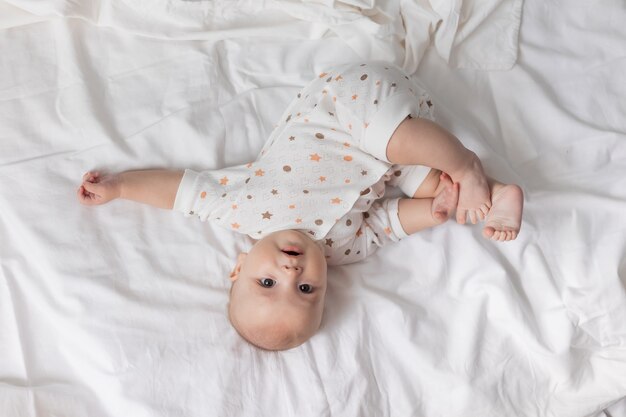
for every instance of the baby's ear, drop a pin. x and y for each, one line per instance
(235, 274)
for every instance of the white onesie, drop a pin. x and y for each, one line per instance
(323, 168)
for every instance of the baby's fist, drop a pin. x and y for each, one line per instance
(98, 189)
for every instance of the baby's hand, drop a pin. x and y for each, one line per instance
(98, 189)
(474, 194)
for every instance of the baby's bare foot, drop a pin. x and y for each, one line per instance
(445, 202)
(474, 193)
(505, 216)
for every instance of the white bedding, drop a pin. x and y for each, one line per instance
(119, 310)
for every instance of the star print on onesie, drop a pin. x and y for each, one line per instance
(324, 168)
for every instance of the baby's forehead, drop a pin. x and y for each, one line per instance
(277, 331)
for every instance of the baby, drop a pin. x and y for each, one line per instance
(313, 196)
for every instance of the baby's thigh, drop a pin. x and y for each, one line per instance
(371, 100)
(363, 88)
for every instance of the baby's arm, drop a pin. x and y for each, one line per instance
(155, 187)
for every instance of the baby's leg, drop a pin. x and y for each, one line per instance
(504, 218)
(432, 185)
(423, 142)
(421, 213)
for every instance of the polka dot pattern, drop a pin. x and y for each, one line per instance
(313, 173)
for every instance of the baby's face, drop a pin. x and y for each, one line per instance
(277, 297)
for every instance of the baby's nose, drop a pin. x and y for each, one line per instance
(293, 270)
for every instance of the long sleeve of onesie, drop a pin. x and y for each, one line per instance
(208, 194)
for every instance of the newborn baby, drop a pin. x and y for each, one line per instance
(314, 196)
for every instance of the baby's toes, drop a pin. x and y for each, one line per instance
(472, 215)
(483, 212)
(488, 232)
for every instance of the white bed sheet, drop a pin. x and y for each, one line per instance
(120, 310)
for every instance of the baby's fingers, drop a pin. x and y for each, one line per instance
(84, 196)
(91, 176)
(94, 193)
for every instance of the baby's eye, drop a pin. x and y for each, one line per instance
(267, 282)
(305, 288)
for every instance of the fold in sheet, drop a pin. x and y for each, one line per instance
(120, 310)
(478, 34)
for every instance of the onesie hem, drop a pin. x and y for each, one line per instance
(394, 218)
(381, 127)
(416, 176)
(186, 191)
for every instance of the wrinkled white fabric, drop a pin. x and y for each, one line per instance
(120, 310)
(479, 34)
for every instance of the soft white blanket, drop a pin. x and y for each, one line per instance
(479, 34)
(120, 310)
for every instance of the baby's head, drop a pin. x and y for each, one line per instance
(278, 291)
